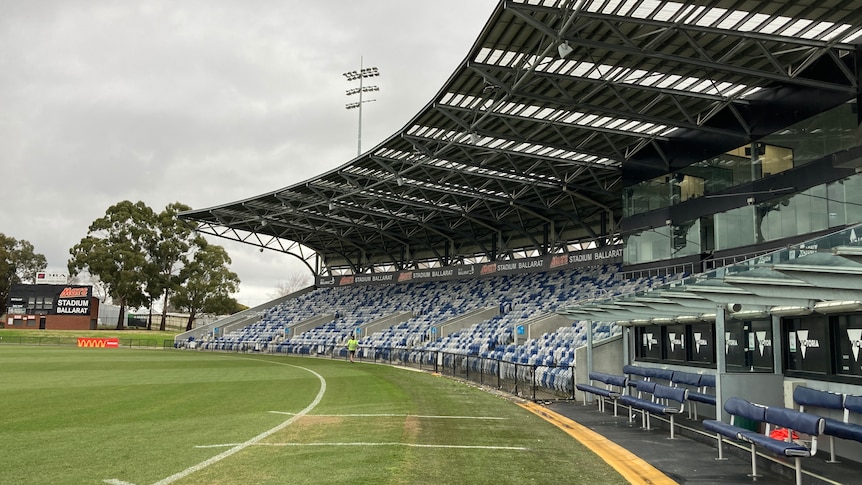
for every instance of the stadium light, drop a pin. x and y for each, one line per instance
(360, 75)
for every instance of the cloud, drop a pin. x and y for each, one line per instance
(201, 102)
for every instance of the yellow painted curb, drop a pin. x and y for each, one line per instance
(629, 465)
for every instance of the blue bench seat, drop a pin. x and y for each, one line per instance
(660, 402)
(697, 385)
(773, 416)
(808, 398)
(613, 389)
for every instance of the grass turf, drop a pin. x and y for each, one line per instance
(140, 416)
(151, 338)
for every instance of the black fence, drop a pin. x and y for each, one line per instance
(73, 342)
(536, 382)
(530, 381)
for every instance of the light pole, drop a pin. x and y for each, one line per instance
(360, 75)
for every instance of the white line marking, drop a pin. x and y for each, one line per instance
(114, 481)
(409, 445)
(256, 439)
(392, 416)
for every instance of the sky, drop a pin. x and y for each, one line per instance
(202, 102)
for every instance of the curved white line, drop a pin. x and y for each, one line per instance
(256, 439)
(408, 445)
(391, 415)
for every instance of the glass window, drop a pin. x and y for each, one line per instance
(797, 145)
(760, 346)
(649, 342)
(734, 228)
(734, 344)
(646, 196)
(686, 239)
(819, 135)
(845, 201)
(813, 210)
(703, 343)
(773, 159)
(808, 345)
(798, 214)
(675, 340)
(651, 245)
(850, 345)
(853, 199)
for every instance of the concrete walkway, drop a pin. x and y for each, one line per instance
(691, 457)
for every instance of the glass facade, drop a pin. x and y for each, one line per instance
(821, 135)
(818, 208)
(814, 209)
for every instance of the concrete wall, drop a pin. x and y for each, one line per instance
(386, 322)
(465, 321)
(538, 326)
(310, 323)
(607, 357)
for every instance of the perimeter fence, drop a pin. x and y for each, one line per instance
(136, 343)
(534, 381)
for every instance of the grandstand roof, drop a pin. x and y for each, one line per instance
(557, 106)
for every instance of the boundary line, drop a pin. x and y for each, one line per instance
(388, 415)
(626, 463)
(408, 445)
(241, 446)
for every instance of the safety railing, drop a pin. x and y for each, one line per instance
(532, 381)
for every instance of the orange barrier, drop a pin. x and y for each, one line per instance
(100, 343)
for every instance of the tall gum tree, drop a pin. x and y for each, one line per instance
(114, 250)
(208, 283)
(168, 252)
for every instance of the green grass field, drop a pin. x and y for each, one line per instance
(141, 338)
(124, 416)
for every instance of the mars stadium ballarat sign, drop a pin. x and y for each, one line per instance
(596, 257)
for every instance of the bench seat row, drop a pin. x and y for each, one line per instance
(795, 423)
(652, 398)
(811, 400)
(700, 386)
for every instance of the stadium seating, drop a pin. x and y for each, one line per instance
(429, 306)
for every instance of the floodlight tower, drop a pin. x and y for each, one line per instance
(360, 76)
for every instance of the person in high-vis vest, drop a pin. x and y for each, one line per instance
(352, 345)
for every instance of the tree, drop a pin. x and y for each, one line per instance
(19, 263)
(168, 252)
(208, 283)
(114, 251)
(85, 278)
(294, 282)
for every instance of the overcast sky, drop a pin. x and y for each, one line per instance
(202, 102)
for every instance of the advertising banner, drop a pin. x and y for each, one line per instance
(73, 300)
(99, 343)
(594, 257)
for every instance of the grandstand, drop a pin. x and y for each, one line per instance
(599, 184)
